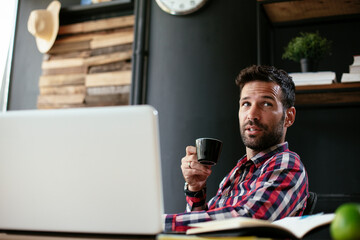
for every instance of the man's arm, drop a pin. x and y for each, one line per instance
(279, 192)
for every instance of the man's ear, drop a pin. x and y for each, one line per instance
(290, 116)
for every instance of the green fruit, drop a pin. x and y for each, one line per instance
(346, 223)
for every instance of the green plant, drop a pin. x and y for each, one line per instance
(307, 45)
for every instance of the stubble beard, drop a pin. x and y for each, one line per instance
(270, 137)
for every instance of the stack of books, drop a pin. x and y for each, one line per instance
(354, 71)
(88, 65)
(313, 78)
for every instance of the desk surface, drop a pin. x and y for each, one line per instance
(24, 236)
(322, 233)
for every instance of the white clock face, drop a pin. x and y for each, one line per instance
(180, 7)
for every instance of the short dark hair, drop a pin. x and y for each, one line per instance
(269, 74)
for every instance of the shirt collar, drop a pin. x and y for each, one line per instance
(259, 158)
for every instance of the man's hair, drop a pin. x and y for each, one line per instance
(269, 74)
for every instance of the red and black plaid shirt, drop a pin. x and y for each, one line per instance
(271, 185)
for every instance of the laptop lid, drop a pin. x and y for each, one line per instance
(89, 170)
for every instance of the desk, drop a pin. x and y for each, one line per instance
(61, 236)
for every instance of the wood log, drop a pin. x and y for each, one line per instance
(111, 67)
(107, 100)
(108, 79)
(91, 26)
(112, 40)
(108, 58)
(63, 90)
(61, 99)
(61, 80)
(108, 90)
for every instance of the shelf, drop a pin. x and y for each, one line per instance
(81, 13)
(290, 10)
(331, 94)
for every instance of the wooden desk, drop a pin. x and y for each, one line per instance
(61, 236)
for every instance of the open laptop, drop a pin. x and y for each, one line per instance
(89, 170)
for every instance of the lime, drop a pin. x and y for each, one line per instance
(346, 223)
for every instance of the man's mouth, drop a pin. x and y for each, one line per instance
(253, 129)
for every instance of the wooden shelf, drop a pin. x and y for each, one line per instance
(290, 10)
(331, 94)
(81, 13)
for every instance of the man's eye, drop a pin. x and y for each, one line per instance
(267, 104)
(245, 104)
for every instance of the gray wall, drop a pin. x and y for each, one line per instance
(193, 62)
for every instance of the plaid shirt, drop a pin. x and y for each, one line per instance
(272, 185)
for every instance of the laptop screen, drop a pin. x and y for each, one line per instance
(88, 170)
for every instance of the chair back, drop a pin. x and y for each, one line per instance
(310, 203)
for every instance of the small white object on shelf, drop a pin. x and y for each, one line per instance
(313, 78)
(355, 66)
(350, 77)
(356, 60)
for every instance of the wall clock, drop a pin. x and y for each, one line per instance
(180, 7)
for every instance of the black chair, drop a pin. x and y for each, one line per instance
(310, 203)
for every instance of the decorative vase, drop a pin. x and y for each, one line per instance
(308, 65)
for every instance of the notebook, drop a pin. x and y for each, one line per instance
(88, 170)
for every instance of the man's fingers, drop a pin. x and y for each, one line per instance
(190, 150)
(195, 166)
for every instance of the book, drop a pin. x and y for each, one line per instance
(289, 227)
(313, 78)
(350, 77)
(354, 69)
(355, 66)
(164, 236)
(356, 61)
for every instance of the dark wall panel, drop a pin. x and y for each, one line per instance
(327, 140)
(193, 62)
(26, 65)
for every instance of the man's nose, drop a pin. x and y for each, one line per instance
(253, 113)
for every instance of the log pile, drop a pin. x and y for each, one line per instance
(88, 65)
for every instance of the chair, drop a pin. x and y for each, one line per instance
(310, 203)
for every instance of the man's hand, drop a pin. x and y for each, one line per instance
(195, 173)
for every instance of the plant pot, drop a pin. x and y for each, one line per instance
(308, 65)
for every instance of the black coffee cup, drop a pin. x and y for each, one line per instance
(208, 150)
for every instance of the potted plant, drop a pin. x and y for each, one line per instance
(308, 49)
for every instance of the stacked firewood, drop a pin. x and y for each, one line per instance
(88, 65)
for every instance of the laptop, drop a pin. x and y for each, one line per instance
(87, 170)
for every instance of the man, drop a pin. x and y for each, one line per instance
(270, 181)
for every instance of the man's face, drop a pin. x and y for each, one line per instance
(261, 115)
